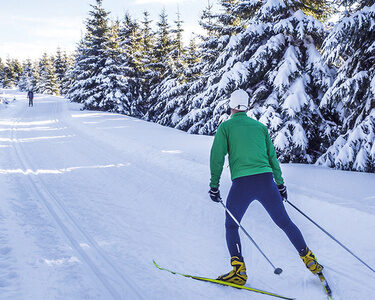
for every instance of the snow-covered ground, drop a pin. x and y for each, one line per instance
(89, 199)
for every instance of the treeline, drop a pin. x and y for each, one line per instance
(312, 83)
(48, 75)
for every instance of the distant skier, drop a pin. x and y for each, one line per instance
(254, 169)
(30, 95)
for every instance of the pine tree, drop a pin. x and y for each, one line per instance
(113, 85)
(9, 74)
(191, 58)
(2, 74)
(351, 98)
(161, 66)
(178, 50)
(67, 79)
(17, 69)
(146, 59)
(47, 83)
(219, 27)
(169, 105)
(61, 66)
(175, 91)
(275, 59)
(35, 77)
(25, 82)
(163, 47)
(130, 40)
(91, 58)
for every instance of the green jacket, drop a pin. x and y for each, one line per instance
(249, 147)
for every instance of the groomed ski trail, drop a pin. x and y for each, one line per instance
(95, 196)
(99, 263)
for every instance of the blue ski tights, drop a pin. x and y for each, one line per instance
(259, 187)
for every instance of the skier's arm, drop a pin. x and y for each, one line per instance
(272, 157)
(218, 151)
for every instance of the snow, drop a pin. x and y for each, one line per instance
(287, 68)
(361, 161)
(337, 41)
(90, 198)
(296, 99)
(236, 75)
(299, 137)
(281, 140)
(271, 6)
(372, 84)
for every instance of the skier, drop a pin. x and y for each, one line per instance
(30, 95)
(254, 170)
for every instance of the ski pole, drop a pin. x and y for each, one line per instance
(330, 235)
(276, 270)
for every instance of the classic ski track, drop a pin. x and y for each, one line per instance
(88, 237)
(105, 149)
(57, 211)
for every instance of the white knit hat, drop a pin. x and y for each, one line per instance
(239, 99)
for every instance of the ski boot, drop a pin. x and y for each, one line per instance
(238, 274)
(310, 261)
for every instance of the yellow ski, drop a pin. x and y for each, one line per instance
(224, 283)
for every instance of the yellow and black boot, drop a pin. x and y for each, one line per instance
(310, 261)
(238, 274)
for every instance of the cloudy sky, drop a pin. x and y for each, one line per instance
(30, 27)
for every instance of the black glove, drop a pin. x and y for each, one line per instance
(214, 194)
(282, 191)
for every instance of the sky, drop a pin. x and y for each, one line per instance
(30, 27)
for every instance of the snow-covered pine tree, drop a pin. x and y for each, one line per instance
(178, 45)
(35, 76)
(67, 79)
(161, 65)
(274, 58)
(90, 60)
(61, 66)
(219, 28)
(288, 100)
(17, 69)
(163, 48)
(25, 81)
(209, 48)
(145, 62)
(111, 83)
(2, 73)
(170, 92)
(191, 58)
(47, 83)
(129, 40)
(78, 74)
(351, 98)
(9, 74)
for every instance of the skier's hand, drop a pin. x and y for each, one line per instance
(214, 194)
(283, 192)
